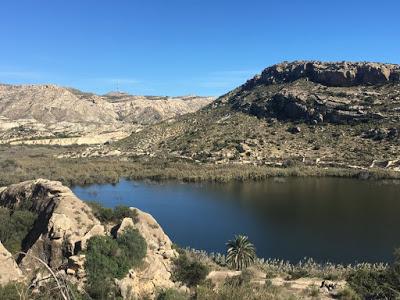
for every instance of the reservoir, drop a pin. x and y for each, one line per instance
(328, 219)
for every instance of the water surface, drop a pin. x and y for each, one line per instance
(329, 219)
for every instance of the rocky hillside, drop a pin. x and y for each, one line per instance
(52, 114)
(300, 113)
(317, 92)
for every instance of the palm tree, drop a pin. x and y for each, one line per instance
(241, 252)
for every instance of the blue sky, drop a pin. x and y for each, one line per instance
(175, 47)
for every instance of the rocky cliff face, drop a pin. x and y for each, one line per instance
(61, 231)
(318, 92)
(339, 74)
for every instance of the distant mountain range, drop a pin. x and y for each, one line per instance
(37, 113)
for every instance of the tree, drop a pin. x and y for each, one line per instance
(241, 252)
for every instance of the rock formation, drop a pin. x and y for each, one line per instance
(63, 226)
(156, 271)
(9, 270)
(318, 92)
(339, 74)
(62, 229)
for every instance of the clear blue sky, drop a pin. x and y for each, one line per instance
(171, 47)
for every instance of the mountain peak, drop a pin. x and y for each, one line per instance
(339, 74)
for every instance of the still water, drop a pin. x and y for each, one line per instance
(329, 219)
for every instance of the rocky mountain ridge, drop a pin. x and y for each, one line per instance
(318, 92)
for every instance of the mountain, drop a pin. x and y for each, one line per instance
(47, 113)
(340, 114)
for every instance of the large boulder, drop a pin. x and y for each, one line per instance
(63, 226)
(9, 270)
(156, 271)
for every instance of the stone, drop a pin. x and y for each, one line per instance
(64, 226)
(294, 129)
(9, 270)
(145, 282)
(125, 224)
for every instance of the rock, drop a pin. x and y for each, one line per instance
(317, 92)
(63, 226)
(341, 74)
(126, 223)
(156, 274)
(294, 129)
(96, 230)
(70, 272)
(9, 270)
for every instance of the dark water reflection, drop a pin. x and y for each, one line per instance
(339, 220)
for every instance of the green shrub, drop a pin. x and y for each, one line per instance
(377, 284)
(348, 294)
(107, 215)
(14, 227)
(104, 214)
(172, 294)
(188, 271)
(108, 258)
(121, 212)
(10, 291)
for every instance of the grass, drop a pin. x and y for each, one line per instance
(22, 163)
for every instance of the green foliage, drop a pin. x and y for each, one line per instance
(383, 284)
(10, 291)
(172, 294)
(188, 271)
(105, 214)
(14, 226)
(245, 291)
(121, 212)
(348, 294)
(241, 252)
(108, 258)
(49, 291)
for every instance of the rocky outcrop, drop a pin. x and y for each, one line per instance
(61, 231)
(156, 271)
(317, 92)
(9, 270)
(63, 226)
(339, 74)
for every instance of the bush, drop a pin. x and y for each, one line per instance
(172, 294)
(14, 227)
(188, 271)
(105, 214)
(108, 258)
(348, 294)
(377, 284)
(10, 292)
